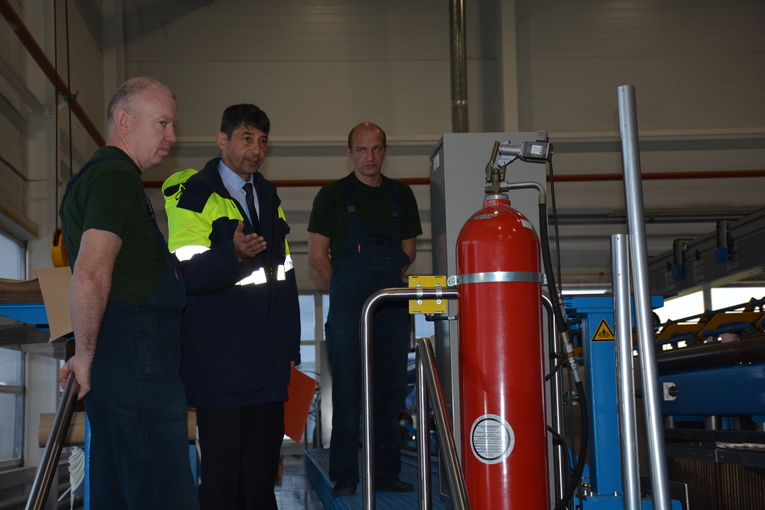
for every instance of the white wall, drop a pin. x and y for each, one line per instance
(696, 65)
(318, 68)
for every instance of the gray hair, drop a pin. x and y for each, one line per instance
(127, 93)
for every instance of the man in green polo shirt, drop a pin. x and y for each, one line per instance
(362, 237)
(127, 296)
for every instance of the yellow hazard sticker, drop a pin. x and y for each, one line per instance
(604, 333)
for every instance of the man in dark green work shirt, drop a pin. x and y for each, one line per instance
(127, 296)
(362, 237)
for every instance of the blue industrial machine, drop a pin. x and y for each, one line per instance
(715, 366)
(592, 329)
(712, 374)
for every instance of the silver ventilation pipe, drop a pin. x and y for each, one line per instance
(458, 55)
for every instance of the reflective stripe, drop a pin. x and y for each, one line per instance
(281, 271)
(256, 278)
(259, 276)
(186, 252)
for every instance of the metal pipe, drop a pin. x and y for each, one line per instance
(556, 402)
(625, 385)
(423, 431)
(49, 462)
(635, 220)
(662, 176)
(458, 54)
(651, 176)
(367, 403)
(444, 427)
(732, 353)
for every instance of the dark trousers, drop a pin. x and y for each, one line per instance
(139, 457)
(390, 346)
(240, 448)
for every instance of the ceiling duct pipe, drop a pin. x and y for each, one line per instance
(458, 66)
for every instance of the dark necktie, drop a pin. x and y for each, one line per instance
(251, 207)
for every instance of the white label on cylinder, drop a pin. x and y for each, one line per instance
(526, 223)
(491, 439)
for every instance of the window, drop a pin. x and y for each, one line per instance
(693, 304)
(423, 328)
(11, 368)
(682, 307)
(309, 349)
(721, 300)
(731, 296)
(307, 334)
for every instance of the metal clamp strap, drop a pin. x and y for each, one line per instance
(497, 276)
(420, 293)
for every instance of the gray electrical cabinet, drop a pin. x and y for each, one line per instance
(457, 183)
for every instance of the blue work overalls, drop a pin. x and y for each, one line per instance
(370, 259)
(139, 456)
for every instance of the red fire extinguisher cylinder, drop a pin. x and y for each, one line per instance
(504, 444)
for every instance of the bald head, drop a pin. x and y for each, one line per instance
(366, 127)
(131, 92)
(366, 151)
(143, 115)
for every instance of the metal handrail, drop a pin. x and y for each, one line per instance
(49, 462)
(555, 395)
(428, 380)
(368, 498)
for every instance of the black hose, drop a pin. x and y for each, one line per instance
(559, 360)
(562, 442)
(585, 433)
(547, 262)
(563, 329)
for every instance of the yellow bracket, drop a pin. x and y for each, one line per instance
(427, 306)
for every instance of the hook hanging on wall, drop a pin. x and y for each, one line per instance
(65, 100)
(59, 255)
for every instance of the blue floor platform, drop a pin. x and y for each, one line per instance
(317, 469)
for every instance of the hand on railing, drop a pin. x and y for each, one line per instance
(81, 370)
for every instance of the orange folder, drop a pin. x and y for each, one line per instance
(300, 393)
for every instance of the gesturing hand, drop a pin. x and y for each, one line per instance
(249, 245)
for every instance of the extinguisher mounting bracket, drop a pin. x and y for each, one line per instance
(497, 277)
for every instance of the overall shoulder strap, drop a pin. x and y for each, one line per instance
(350, 202)
(395, 199)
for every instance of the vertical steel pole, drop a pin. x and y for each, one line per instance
(625, 385)
(555, 396)
(367, 404)
(423, 433)
(49, 462)
(636, 223)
